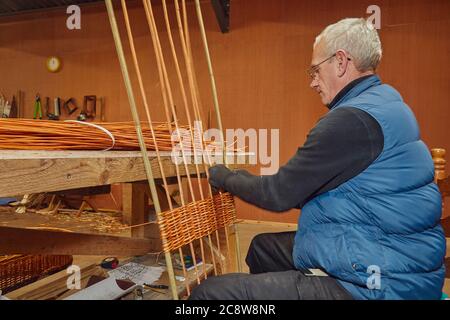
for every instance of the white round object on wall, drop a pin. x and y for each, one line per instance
(53, 64)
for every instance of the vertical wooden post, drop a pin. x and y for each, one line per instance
(135, 207)
(439, 163)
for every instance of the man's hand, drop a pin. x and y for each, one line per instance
(217, 176)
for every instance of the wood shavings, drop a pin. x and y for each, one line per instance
(102, 222)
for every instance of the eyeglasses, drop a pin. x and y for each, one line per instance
(312, 72)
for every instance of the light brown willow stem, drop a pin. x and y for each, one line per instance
(166, 85)
(134, 112)
(219, 118)
(196, 90)
(147, 111)
(192, 62)
(190, 72)
(188, 115)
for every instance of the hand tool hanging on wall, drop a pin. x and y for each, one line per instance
(89, 108)
(57, 107)
(49, 115)
(6, 110)
(47, 107)
(37, 107)
(67, 104)
(102, 109)
(14, 110)
(2, 104)
(5, 107)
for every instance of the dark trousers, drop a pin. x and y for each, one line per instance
(272, 276)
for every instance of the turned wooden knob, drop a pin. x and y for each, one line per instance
(438, 155)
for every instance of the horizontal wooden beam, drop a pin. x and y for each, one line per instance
(32, 241)
(26, 172)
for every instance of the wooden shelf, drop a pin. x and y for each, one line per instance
(27, 172)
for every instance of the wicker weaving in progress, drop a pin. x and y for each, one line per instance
(196, 220)
(19, 270)
(199, 217)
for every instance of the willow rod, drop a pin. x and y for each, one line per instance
(147, 7)
(165, 78)
(26, 134)
(134, 112)
(190, 72)
(189, 50)
(165, 85)
(183, 90)
(217, 109)
(185, 102)
(186, 45)
(170, 95)
(211, 75)
(147, 111)
(184, 33)
(194, 93)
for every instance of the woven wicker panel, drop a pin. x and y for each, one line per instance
(196, 220)
(19, 270)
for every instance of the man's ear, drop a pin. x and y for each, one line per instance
(342, 59)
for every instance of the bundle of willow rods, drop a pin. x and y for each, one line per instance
(26, 134)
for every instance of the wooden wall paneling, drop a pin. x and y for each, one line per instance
(260, 65)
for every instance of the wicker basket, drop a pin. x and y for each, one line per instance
(19, 270)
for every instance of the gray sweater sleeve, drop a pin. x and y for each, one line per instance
(342, 145)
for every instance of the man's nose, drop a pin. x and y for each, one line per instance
(313, 83)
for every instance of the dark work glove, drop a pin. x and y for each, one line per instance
(218, 175)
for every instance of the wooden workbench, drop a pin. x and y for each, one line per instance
(54, 287)
(28, 172)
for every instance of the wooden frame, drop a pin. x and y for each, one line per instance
(25, 172)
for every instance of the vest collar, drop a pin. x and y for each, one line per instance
(354, 89)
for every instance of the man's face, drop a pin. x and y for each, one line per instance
(325, 77)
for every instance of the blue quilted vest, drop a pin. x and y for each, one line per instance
(379, 233)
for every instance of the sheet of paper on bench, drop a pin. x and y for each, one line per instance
(104, 290)
(3, 297)
(137, 273)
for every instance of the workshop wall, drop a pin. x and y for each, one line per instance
(260, 66)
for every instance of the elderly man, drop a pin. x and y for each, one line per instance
(364, 181)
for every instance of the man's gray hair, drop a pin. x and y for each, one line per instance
(357, 37)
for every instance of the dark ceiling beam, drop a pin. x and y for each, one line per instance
(222, 9)
(16, 7)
